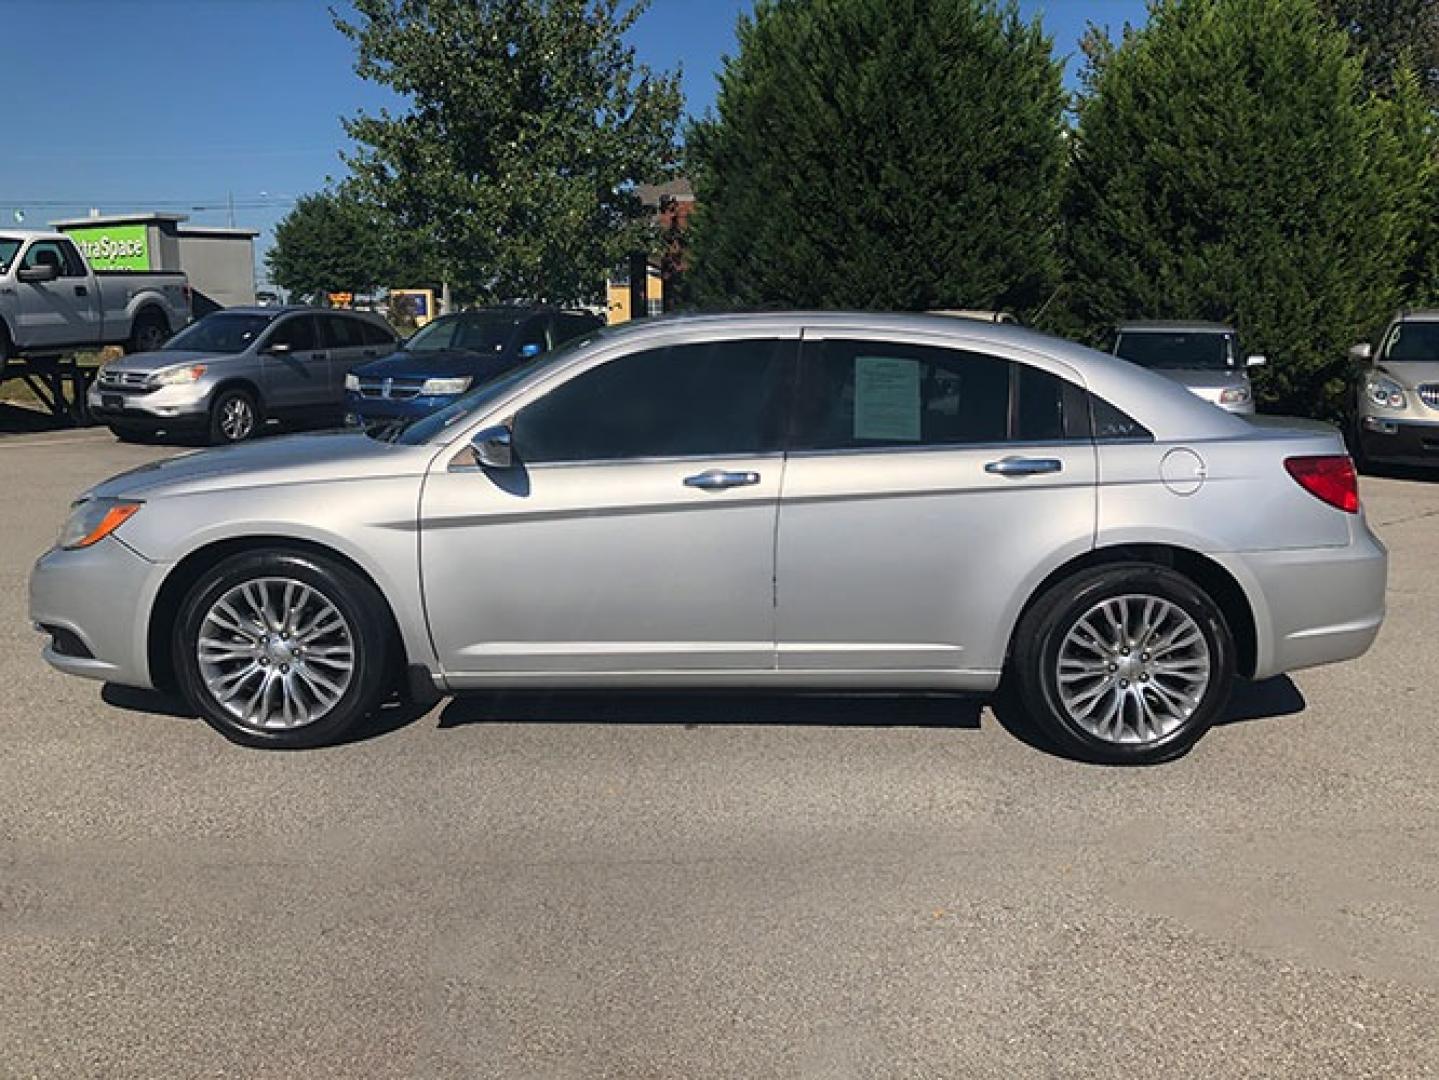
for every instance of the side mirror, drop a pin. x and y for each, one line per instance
(1256, 361)
(279, 349)
(493, 447)
(531, 350)
(38, 275)
(1362, 353)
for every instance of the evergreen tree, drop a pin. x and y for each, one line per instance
(329, 242)
(888, 154)
(1231, 165)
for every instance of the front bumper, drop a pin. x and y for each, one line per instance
(368, 411)
(1402, 442)
(99, 598)
(1313, 606)
(175, 405)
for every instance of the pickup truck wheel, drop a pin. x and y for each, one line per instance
(148, 333)
(283, 649)
(234, 417)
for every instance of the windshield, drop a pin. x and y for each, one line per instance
(8, 248)
(1413, 342)
(481, 332)
(416, 432)
(223, 332)
(1200, 350)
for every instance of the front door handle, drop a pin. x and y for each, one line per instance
(1024, 466)
(720, 479)
(80, 290)
(319, 356)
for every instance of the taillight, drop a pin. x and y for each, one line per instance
(1328, 477)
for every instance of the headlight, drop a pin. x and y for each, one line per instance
(1234, 395)
(177, 376)
(1386, 393)
(442, 387)
(352, 383)
(94, 519)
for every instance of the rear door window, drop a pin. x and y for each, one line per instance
(342, 332)
(855, 395)
(298, 332)
(374, 333)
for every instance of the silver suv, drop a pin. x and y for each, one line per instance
(1203, 357)
(1396, 411)
(229, 372)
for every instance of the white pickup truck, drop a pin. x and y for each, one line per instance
(52, 302)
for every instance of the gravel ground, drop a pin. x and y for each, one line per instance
(694, 886)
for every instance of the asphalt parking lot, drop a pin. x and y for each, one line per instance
(699, 887)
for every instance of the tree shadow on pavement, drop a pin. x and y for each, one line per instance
(727, 708)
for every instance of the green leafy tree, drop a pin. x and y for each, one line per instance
(1230, 165)
(329, 242)
(889, 154)
(1392, 36)
(528, 123)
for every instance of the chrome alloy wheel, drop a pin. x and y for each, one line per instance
(237, 418)
(1133, 669)
(275, 653)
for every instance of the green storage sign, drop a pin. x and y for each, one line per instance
(114, 247)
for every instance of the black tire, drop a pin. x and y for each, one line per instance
(225, 427)
(1042, 633)
(149, 332)
(370, 635)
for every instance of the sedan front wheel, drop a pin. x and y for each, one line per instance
(283, 649)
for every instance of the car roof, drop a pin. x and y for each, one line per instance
(24, 235)
(1418, 315)
(292, 309)
(1174, 326)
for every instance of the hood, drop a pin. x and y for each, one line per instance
(1412, 373)
(446, 362)
(146, 362)
(1204, 378)
(294, 459)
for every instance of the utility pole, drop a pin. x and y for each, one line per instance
(232, 208)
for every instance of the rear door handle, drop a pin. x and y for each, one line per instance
(1024, 466)
(319, 356)
(720, 479)
(80, 290)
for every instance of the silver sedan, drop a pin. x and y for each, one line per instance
(800, 502)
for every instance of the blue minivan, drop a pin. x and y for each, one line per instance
(453, 353)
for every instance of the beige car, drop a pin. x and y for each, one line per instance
(1395, 418)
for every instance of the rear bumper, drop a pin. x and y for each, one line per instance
(1399, 441)
(100, 598)
(1313, 606)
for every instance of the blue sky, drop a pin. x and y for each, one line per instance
(177, 105)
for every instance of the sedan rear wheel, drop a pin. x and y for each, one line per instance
(283, 649)
(1124, 664)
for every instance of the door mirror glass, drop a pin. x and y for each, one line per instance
(38, 275)
(1256, 361)
(493, 447)
(1362, 353)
